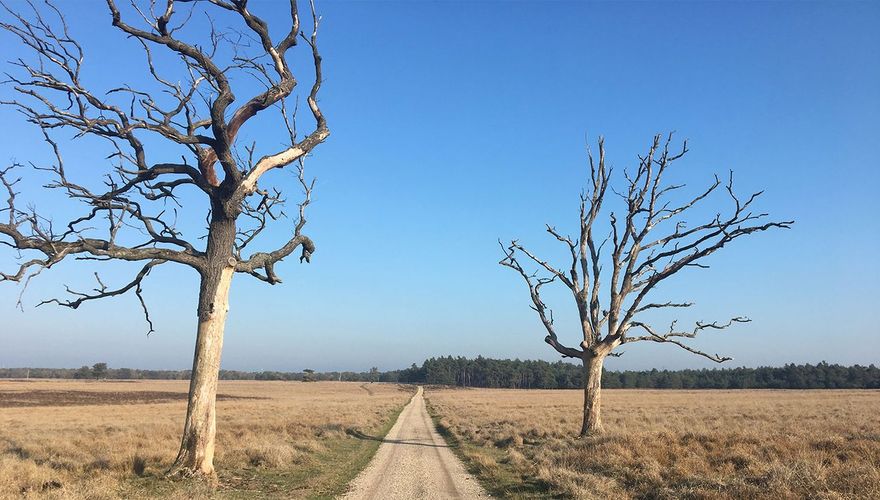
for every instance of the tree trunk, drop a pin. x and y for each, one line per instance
(196, 455)
(592, 395)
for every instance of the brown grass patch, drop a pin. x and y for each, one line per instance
(9, 399)
(77, 439)
(671, 444)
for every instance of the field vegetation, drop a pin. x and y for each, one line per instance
(668, 443)
(88, 439)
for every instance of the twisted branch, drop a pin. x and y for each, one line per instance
(639, 260)
(139, 201)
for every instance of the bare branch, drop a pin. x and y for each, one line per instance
(267, 260)
(668, 337)
(53, 97)
(663, 305)
(318, 135)
(102, 292)
(556, 273)
(639, 258)
(535, 283)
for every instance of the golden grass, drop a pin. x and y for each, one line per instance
(277, 445)
(669, 444)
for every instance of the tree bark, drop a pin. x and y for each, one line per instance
(196, 455)
(592, 395)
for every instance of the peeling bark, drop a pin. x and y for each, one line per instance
(196, 455)
(592, 424)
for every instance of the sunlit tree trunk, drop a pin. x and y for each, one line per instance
(196, 455)
(592, 395)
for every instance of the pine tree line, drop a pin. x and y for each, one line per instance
(517, 374)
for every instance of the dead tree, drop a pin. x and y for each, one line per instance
(649, 243)
(132, 213)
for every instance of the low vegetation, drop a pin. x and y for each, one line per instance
(88, 439)
(668, 444)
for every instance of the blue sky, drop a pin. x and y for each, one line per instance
(455, 124)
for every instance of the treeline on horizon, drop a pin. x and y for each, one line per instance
(516, 374)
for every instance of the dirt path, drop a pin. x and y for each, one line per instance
(414, 462)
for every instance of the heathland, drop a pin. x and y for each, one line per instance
(114, 439)
(111, 439)
(668, 444)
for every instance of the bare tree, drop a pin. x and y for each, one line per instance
(641, 255)
(132, 214)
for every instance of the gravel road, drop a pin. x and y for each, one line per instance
(414, 462)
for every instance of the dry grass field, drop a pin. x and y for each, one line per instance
(112, 439)
(669, 444)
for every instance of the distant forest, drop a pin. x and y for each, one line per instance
(516, 374)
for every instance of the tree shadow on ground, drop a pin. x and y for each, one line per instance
(360, 435)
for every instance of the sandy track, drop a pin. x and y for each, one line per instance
(414, 462)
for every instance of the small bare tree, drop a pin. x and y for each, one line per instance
(132, 213)
(640, 257)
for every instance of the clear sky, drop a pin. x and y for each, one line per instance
(455, 124)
